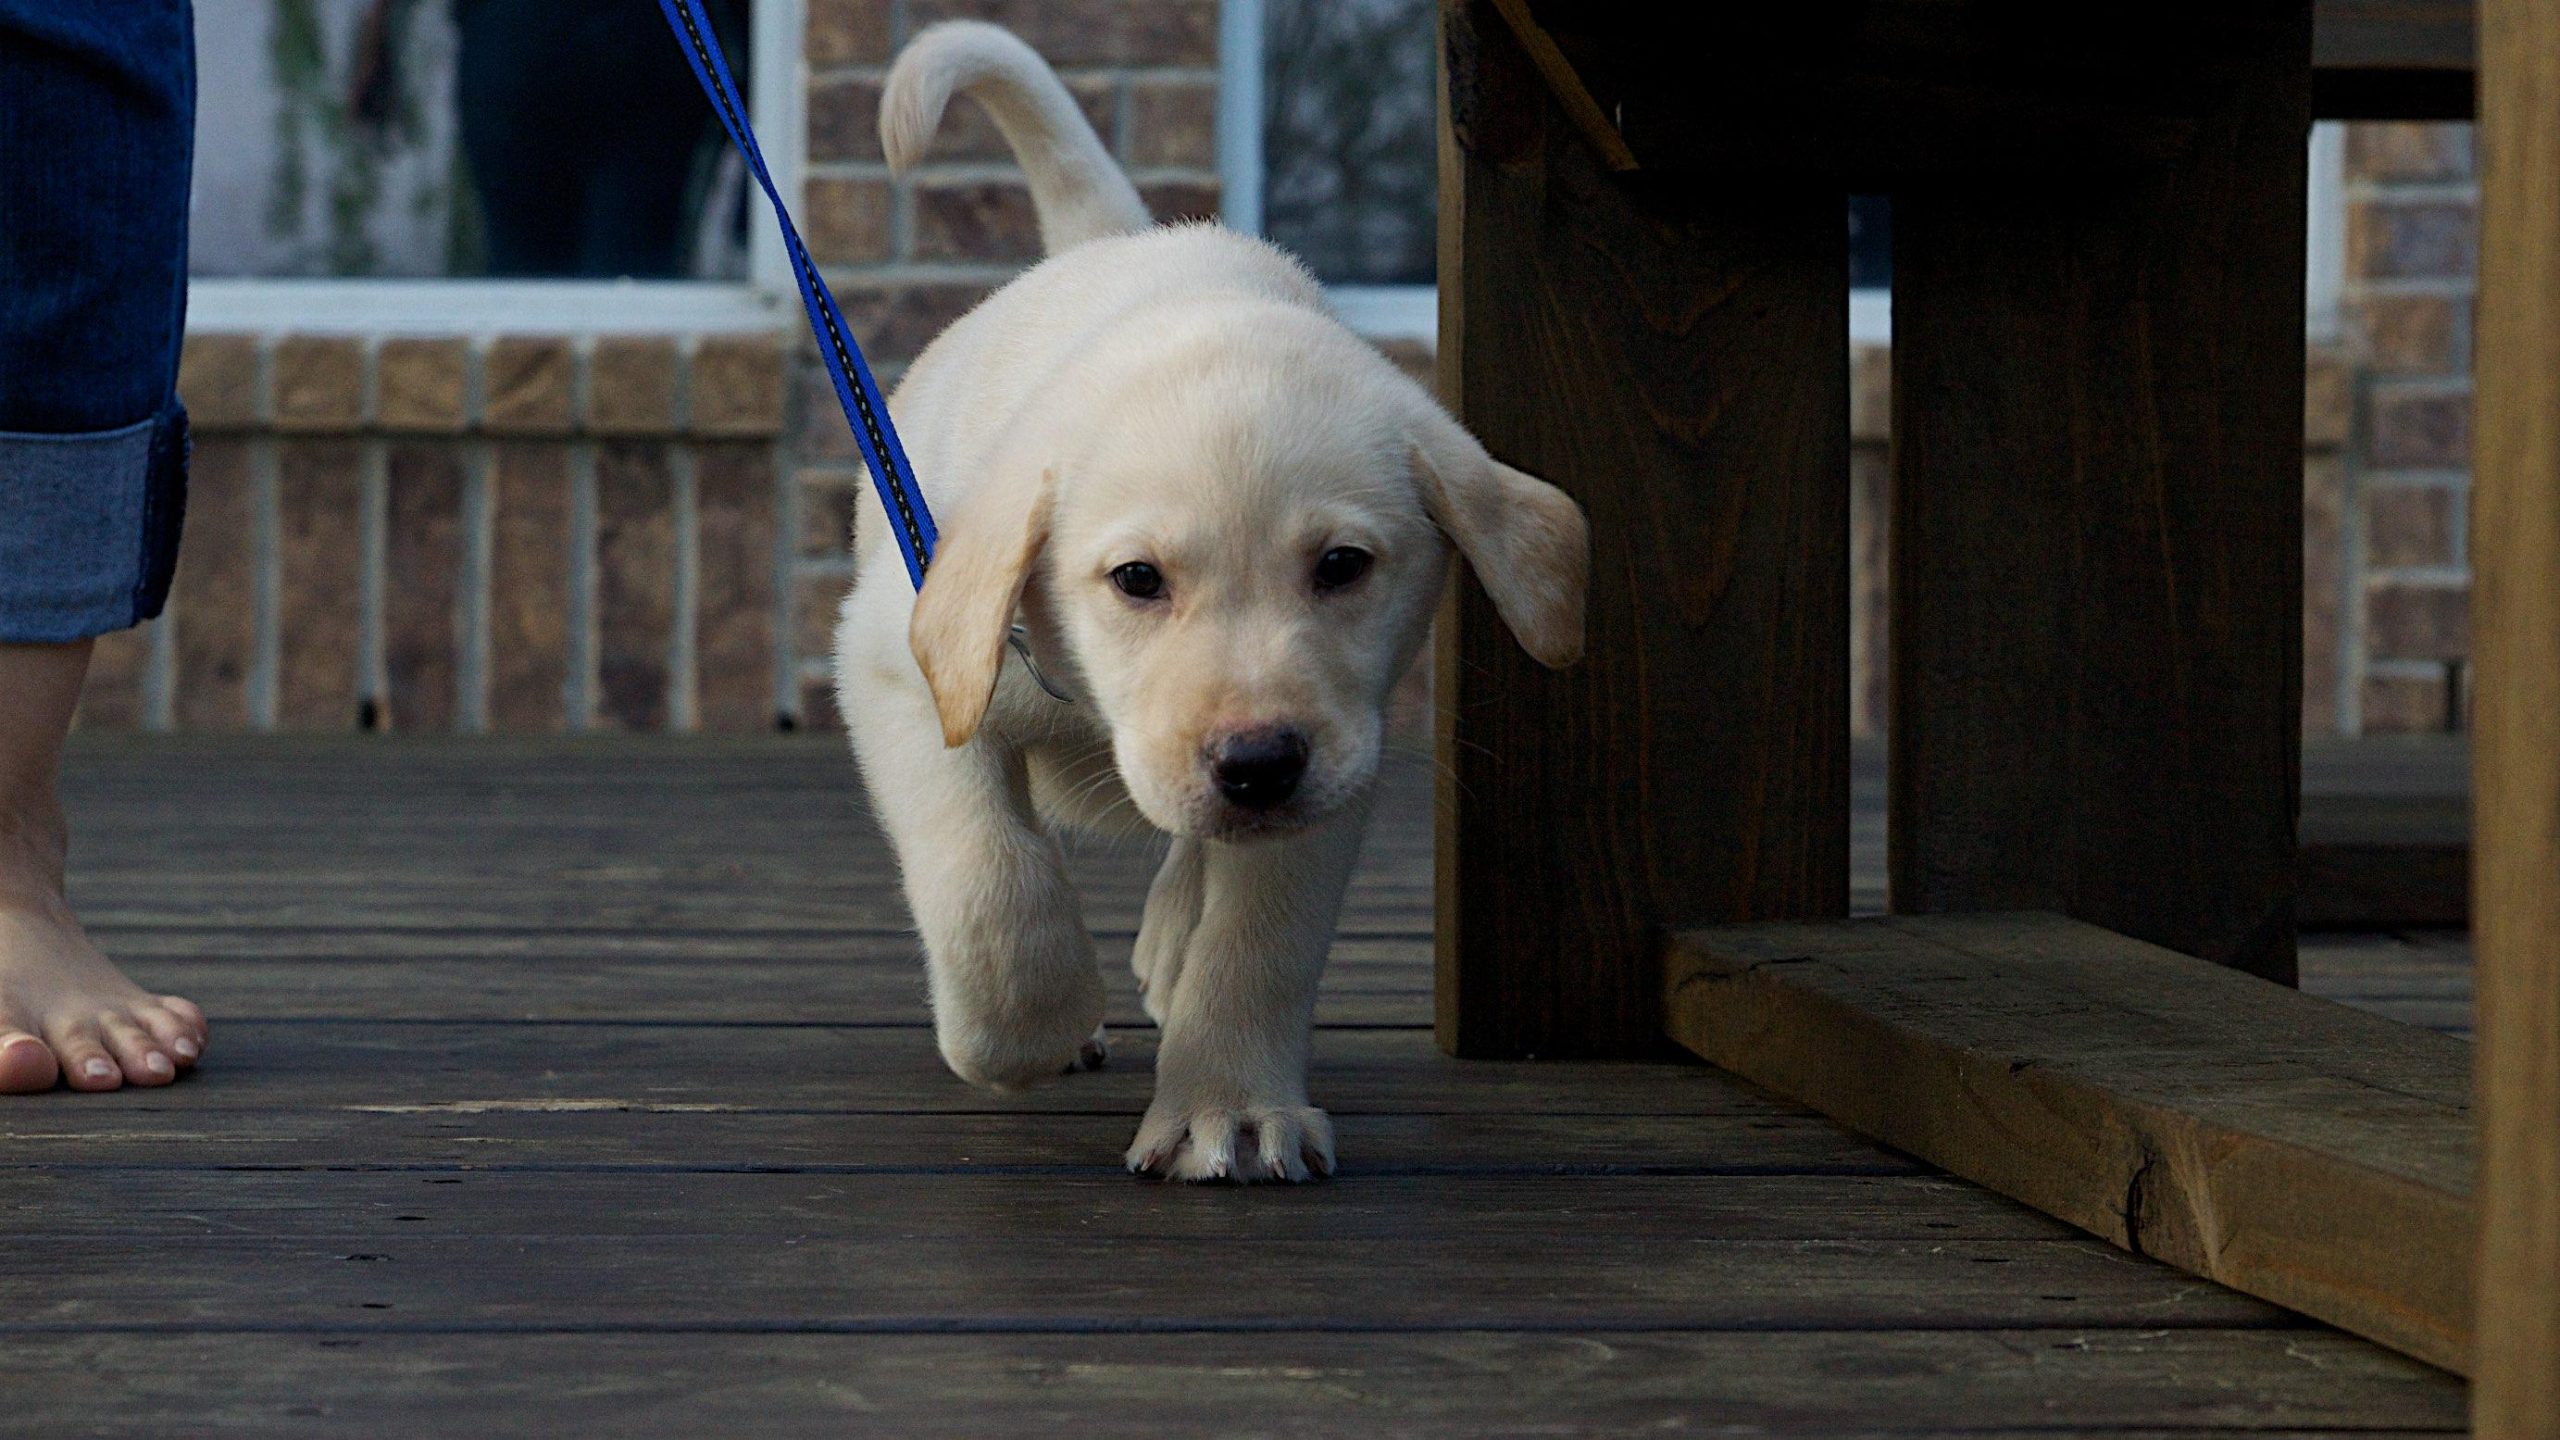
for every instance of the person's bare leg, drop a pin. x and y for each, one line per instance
(66, 1012)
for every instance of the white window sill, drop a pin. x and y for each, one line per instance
(1387, 312)
(482, 307)
(1871, 316)
(1412, 312)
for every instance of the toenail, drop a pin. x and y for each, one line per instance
(185, 1047)
(158, 1064)
(101, 1068)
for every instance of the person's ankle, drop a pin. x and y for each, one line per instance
(35, 838)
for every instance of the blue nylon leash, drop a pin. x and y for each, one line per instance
(864, 411)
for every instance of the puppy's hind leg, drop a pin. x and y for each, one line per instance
(1017, 990)
(1164, 932)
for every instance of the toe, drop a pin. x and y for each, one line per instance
(26, 1064)
(1159, 1136)
(1275, 1141)
(86, 1065)
(173, 1034)
(1211, 1155)
(1318, 1140)
(141, 1057)
(188, 1015)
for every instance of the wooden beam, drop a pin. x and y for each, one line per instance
(1567, 86)
(1677, 360)
(2385, 885)
(2394, 863)
(2097, 530)
(2392, 59)
(2393, 35)
(2516, 740)
(2386, 833)
(2306, 1153)
(1888, 91)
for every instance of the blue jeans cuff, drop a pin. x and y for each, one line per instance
(89, 528)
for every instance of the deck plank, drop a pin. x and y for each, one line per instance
(1564, 1279)
(635, 1030)
(874, 980)
(466, 1067)
(1462, 1384)
(179, 1210)
(2173, 1107)
(629, 1139)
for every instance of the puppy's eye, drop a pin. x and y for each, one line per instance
(1342, 565)
(1138, 580)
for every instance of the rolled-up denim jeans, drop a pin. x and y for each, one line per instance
(97, 120)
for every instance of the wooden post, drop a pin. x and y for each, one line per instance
(1675, 355)
(2515, 601)
(2097, 523)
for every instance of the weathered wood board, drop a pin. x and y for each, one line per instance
(2516, 705)
(1458, 1385)
(576, 1177)
(2284, 1145)
(1687, 351)
(2097, 518)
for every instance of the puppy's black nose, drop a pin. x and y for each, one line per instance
(1258, 769)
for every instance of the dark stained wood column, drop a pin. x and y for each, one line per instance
(2097, 581)
(1674, 353)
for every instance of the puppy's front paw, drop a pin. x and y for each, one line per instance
(1022, 1046)
(1257, 1142)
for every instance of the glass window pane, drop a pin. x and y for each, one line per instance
(521, 138)
(1870, 242)
(1350, 150)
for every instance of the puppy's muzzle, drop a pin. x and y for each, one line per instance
(1259, 770)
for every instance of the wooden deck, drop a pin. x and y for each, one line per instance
(577, 1088)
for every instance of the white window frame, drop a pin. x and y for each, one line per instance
(2325, 269)
(1380, 312)
(765, 300)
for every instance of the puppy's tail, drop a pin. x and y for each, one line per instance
(1079, 192)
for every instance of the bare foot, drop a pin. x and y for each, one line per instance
(66, 1012)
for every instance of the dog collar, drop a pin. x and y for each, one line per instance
(1019, 637)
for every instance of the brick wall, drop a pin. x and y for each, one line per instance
(2399, 615)
(535, 532)
(910, 255)
(523, 533)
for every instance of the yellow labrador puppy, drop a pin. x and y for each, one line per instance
(1173, 491)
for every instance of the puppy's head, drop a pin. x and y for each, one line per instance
(1241, 540)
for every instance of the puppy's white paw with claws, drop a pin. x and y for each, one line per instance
(1254, 1143)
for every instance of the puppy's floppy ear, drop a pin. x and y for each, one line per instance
(1525, 539)
(965, 609)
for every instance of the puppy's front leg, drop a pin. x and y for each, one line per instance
(1233, 1062)
(1017, 992)
(1164, 929)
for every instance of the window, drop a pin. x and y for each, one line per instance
(462, 165)
(1870, 268)
(1328, 138)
